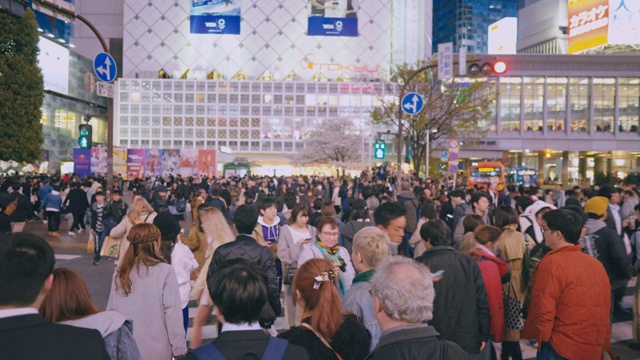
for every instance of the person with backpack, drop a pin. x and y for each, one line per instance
(18, 208)
(239, 291)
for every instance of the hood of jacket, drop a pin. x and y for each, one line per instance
(261, 221)
(534, 208)
(594, 225)
(106, 322)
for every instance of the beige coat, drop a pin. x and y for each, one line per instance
(512, 244)
(121, 231)
(197, 242)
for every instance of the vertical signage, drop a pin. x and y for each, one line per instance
(588, 24)
(215, 16)
(207, 163)
(333, 18)
(445, 61)
(82, 162)
(135, 163)
(188, 162)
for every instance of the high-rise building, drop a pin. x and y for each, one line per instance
(465, 22)
(542, 27)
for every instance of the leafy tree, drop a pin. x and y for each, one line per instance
(21, 89)
(452, 109)
(334, 142)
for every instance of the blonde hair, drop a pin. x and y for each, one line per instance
(215, 226)
(373, 244)
(139, 206)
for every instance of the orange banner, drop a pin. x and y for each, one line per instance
(207, 163)
(588, 24)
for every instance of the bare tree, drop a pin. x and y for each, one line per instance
(334, 142)
(453, 109)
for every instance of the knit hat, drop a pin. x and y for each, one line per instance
(168, 225)
(597, 205)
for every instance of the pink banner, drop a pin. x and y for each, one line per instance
(207, 162)
(188, 162)
(135, 163)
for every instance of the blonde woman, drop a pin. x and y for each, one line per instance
(197, 240)
(216, 232)
(141, 212)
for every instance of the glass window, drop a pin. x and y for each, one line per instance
(604, 91)
(533, 103)
(579, 104)
(556, 103)
(510, 90)
(629, 90)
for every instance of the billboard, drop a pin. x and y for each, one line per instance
(188, 162)
(588, 24)
(333, 18)
(503, 36)
(624, 24)
(215, 16)
(82, 162)
(53, 59)
(99, 161)
(120, 162)
(135, 163)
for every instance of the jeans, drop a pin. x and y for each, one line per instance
(53, 220)
(97, 245)
(548, 353)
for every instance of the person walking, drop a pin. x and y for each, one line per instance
(51, 205)
(76, 203)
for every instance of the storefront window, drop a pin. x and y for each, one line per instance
(510, 90)
(67, 123)
(533, 103)
(604, 91)
(579, 104)
(629, 90)
(556, 103)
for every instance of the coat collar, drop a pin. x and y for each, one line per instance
(21, 321)
(403, 333)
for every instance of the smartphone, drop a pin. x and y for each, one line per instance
(437, 274)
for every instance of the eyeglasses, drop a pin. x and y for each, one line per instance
(331, 233)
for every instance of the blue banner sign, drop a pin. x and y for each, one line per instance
(333, 18)
(216, 16)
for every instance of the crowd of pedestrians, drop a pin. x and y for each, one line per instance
(367, 268)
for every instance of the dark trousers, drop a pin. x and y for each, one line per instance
(78, 221)
(97, 245)
(511, 349)
(548, 353)
(185, 318)
(53, 220)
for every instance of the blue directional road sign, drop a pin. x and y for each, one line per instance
(412, 103)
(105, 67)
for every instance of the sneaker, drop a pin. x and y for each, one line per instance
(44, 221)
(55, 233)
(50, 233)
(72, 233)
(79, 231)
(96, 262)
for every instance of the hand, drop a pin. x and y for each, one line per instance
(482, 346)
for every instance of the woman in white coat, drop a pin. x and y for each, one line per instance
(325, 246)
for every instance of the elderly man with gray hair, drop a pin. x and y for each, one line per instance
(403, 296)
(370, 247)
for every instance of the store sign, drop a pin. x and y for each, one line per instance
(333, 18)
(588, 24)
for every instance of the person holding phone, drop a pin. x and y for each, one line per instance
(293, 236)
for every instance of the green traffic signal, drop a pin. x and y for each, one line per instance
(379, 149)
(84, 140)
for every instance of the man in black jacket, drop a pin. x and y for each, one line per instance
(22, 212)
(76, 203)
(461, 309)
(245, 219)
(26, 263)
(406, 333)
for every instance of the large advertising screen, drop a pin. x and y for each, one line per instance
(333, 18)
(215, 16)
(600, 22)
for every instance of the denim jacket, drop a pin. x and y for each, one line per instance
(52, 201)
(121, 345)
(358, 301)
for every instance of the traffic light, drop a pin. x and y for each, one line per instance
(487, 68)
(84, 140)
(379, 149)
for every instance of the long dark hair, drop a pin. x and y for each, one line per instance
(144, 240)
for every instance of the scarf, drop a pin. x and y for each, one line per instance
(332, 250)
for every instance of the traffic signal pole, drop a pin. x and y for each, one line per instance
(57, 8)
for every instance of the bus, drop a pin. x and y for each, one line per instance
(486, 174)
(523, 176)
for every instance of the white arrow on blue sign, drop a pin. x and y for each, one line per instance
(105, 67)
(412, 103)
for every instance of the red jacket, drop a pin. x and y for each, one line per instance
(493, 269)
(570, 304)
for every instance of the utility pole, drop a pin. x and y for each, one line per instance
(65, 10)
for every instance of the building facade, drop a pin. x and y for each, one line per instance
(542, 27)
(465, 22)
